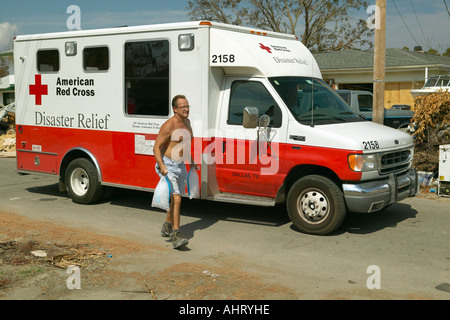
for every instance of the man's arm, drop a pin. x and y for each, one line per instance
(161, 140)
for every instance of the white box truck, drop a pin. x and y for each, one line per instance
(267, 129)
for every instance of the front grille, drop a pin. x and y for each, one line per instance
(397, 161)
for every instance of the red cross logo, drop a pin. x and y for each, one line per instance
(269, 50)
(38, 89)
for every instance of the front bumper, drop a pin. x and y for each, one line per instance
(375, 195)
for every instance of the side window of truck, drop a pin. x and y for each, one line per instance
(252, 94)
(147, 78)
(48, 60)
(346, 97)
(365, 102)
(96, 59)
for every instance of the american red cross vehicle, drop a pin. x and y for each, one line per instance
(267, 129)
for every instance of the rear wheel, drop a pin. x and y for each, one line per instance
(315, 205)
(82, 182)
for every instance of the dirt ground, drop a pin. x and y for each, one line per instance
(111, 268)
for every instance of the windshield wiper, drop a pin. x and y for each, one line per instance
(329, 115)
(308, 116)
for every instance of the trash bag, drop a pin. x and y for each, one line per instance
(161, 196)
(193, 184)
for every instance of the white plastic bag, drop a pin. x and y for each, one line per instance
(192, 184)
(161, 196)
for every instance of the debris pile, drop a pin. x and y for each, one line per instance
(23, 258)
(7, 132)
(8, 143)
(81, 257)
(58, 255)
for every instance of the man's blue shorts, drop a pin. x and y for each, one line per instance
(177, 175)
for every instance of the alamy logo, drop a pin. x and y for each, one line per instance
(74, 21)
(74, 280)
(373, 22)
(374, 280)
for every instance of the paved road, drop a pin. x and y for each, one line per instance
(403, 249)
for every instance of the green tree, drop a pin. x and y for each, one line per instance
(433, 51)
(4, 69)
(447, 53)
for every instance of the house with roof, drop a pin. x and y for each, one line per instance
(404, 70)
(7, 81)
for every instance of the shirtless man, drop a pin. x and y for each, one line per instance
(172, 148)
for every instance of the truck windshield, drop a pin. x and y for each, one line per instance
(311, 101)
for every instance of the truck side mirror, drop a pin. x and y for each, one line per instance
(264, 121)
(250, 117)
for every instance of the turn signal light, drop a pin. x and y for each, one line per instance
(363, 163)
(355, 162)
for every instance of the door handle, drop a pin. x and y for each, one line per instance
(224, 147)
(297, 138)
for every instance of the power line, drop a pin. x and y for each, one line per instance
(445, 3)
(405, 23)
(420, 26)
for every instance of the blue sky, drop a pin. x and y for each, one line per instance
(427, 20)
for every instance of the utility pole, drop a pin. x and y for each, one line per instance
(379, 64)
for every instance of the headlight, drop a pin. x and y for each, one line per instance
(363, 162)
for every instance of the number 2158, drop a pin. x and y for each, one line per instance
(371, 145)
(223, 58)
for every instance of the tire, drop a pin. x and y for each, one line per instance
(82, 182)
(315, 205)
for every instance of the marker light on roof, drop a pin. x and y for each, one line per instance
(186, 42)
(259, 33)
(71, 48)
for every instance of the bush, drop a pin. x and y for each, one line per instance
(432, 120)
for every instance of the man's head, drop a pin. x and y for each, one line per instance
(180, 105)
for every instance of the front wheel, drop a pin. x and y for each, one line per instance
(82, 182)
(315, 205)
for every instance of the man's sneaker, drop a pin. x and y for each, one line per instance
(166, 229)
(178, 240)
